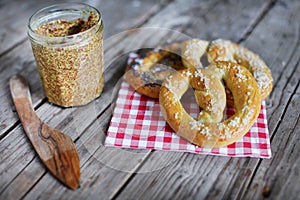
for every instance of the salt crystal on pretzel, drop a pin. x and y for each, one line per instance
(225, 50)
(203, 132)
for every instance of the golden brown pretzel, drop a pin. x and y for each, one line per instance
(225, 50)
(192, 51)
(210, 95)
(247, 105)
(145, 75)
(209, 92)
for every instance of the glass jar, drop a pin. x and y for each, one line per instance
(67, 44)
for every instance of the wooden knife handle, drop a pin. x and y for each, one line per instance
(56, 149)
(21, 96)
(19, 88)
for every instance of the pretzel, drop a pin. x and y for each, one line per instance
(201, 133)
(225, 50)
(210, 95)
(145, 75)
(192, 51)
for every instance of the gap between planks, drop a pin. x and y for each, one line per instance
(140, 22)
(277, 125)
(91, 123)
(18, 122)
(39, 105)
(246, 37)
(13, 47)
(256, 21)
(129, 176)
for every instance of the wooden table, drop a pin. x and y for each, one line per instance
(270, 28)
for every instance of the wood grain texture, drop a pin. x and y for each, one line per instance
(15, 18)
(12, 63)
(16, 14)
(165, 13)
(247, 178)
(269, 28)
(71, 121)
(55, 122)
(272, 178)
(18, 57)
(13, 163)
(279, 178)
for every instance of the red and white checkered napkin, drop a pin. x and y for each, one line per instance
(138, 123)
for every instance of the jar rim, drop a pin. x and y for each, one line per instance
(59, 8)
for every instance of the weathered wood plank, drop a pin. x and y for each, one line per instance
(14, 20)
(243, 168)
(283, 58)
(190, 177)
(72, 121)
(20, 58)
(59, 116)
(279, 178)
(157, 158)
(229, 178)
(94, 158)
(52, 121)
(8, 147)
(117, 17)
